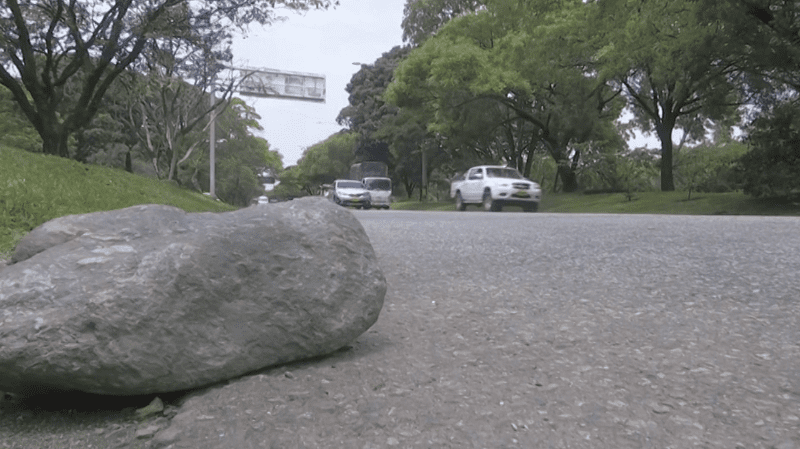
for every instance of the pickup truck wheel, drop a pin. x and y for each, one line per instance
(460, 206)
(490, 205)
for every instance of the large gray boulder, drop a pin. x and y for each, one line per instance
(151, 299)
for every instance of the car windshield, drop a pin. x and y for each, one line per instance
(378, 184)
(348, 185)
(503, 173)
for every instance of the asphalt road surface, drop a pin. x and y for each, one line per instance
(513, 330)
(567, 330)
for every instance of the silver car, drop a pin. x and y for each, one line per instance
(348, 193)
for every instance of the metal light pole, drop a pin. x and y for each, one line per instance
(424, 186)
(212, 139)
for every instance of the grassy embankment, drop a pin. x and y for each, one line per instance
(35, 188)
(731, 203)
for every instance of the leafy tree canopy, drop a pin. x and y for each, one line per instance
(59, 58)
(671, 61)
(326, 161)
(530, 58)
(422, 18)
(772, 166)
(763, 39)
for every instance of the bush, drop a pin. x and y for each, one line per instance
(633, 171)
(709, 168)
(772, 166)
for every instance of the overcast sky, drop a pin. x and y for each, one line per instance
(325, 42)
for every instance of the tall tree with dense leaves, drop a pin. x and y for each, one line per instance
(763, 40)
(367, 107)
(531, 58)
(772, 166)
(58, 57)
(240, 156)
(670, 62)
(324, 162)
(368, 111)
(422, 18)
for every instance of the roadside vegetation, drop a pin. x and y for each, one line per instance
(35, 188)
(557, 90)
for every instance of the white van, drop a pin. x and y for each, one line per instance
(380, 191)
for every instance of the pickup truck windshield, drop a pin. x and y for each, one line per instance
(503, 173)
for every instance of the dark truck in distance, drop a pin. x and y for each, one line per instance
(368, 169)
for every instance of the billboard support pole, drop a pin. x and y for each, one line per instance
(212, 142)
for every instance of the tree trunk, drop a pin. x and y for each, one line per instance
(54, 140)
(568, 177)
(409, 185)
(528, 164)
(664, 132)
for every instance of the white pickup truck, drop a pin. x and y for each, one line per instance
(494, 186)
(380, 191)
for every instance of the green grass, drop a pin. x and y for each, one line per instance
(35, 188)
(730, 203)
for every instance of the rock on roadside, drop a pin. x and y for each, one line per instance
(151, 299)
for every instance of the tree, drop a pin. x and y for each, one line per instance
(672, 65)
(762, 40)
(422, 18)
(528, 58)
(291, 185)
(240, 157)
(60, 57)
(368, 111)
(174, 116)
(326, 161)
(367, 107)
(383, 134)
(772, 166)
(409, 139)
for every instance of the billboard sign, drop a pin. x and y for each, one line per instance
(282, 84)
